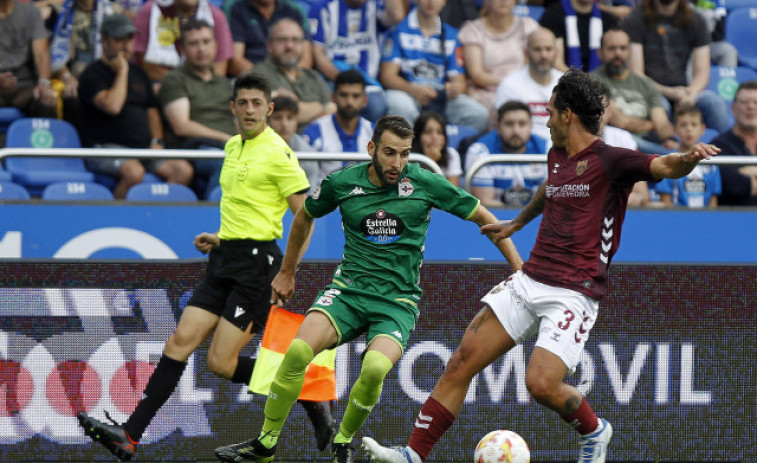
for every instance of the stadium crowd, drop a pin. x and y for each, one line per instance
(473, 76)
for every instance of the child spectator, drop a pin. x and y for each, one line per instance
(702, 186)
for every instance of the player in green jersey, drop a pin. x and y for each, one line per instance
(385, 207)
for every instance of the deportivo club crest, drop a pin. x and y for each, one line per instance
(581, 167)
(405, 188)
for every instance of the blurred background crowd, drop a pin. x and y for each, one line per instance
(473, 76)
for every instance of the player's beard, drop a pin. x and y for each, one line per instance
(380, 171)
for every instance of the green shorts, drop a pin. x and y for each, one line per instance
(354, 312)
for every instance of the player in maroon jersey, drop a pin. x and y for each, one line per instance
(557, 293)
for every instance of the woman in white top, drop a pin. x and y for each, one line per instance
(431, 140)
(493, 47)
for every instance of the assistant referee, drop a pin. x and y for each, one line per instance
(260, 178)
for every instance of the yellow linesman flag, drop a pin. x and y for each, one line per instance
(280, 330)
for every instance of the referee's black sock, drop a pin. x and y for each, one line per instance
(243, 372)
(159, 388)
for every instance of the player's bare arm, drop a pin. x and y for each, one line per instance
(506, 228)
(484, 216)
(299, 235)
(678, 165)
(295, 202)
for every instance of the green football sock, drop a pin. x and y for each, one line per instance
(364, 394)
(285, 388)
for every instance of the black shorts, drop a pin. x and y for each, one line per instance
(237, 285)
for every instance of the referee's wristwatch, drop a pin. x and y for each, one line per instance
(156, 141)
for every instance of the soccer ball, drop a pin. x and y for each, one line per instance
(502, 447)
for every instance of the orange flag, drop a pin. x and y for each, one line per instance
(280, 329)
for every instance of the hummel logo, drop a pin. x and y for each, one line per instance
(419, 423)
(357, 191)
(239, 311)
(397, 334)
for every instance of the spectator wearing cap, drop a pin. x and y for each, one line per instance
(119, 109)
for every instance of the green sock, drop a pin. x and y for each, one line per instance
(364, 394)
(285, 389)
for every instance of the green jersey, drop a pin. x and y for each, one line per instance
(385, 227)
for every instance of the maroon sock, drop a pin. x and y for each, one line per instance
(584, 420)
(432, 422)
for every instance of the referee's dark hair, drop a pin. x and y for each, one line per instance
(581, 93)
(250, 80)
(398, 125)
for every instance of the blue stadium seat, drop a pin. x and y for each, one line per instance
(456, 133)
(110, 182)
(5, 176)
(76, 191)
(10, 190)
(35, 173)
(740, 27)
(8, 114)
(532, 11)
(215, 194)
(708, 135)
(160, 192)
(725, 80)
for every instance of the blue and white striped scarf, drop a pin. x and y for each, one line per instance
(60, 47)
(572, 41)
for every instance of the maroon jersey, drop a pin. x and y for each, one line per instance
(584, 207)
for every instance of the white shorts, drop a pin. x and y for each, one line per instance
(563, 317)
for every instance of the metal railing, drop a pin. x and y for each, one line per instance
(313, 156)
(542, 158)
(188, 154)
